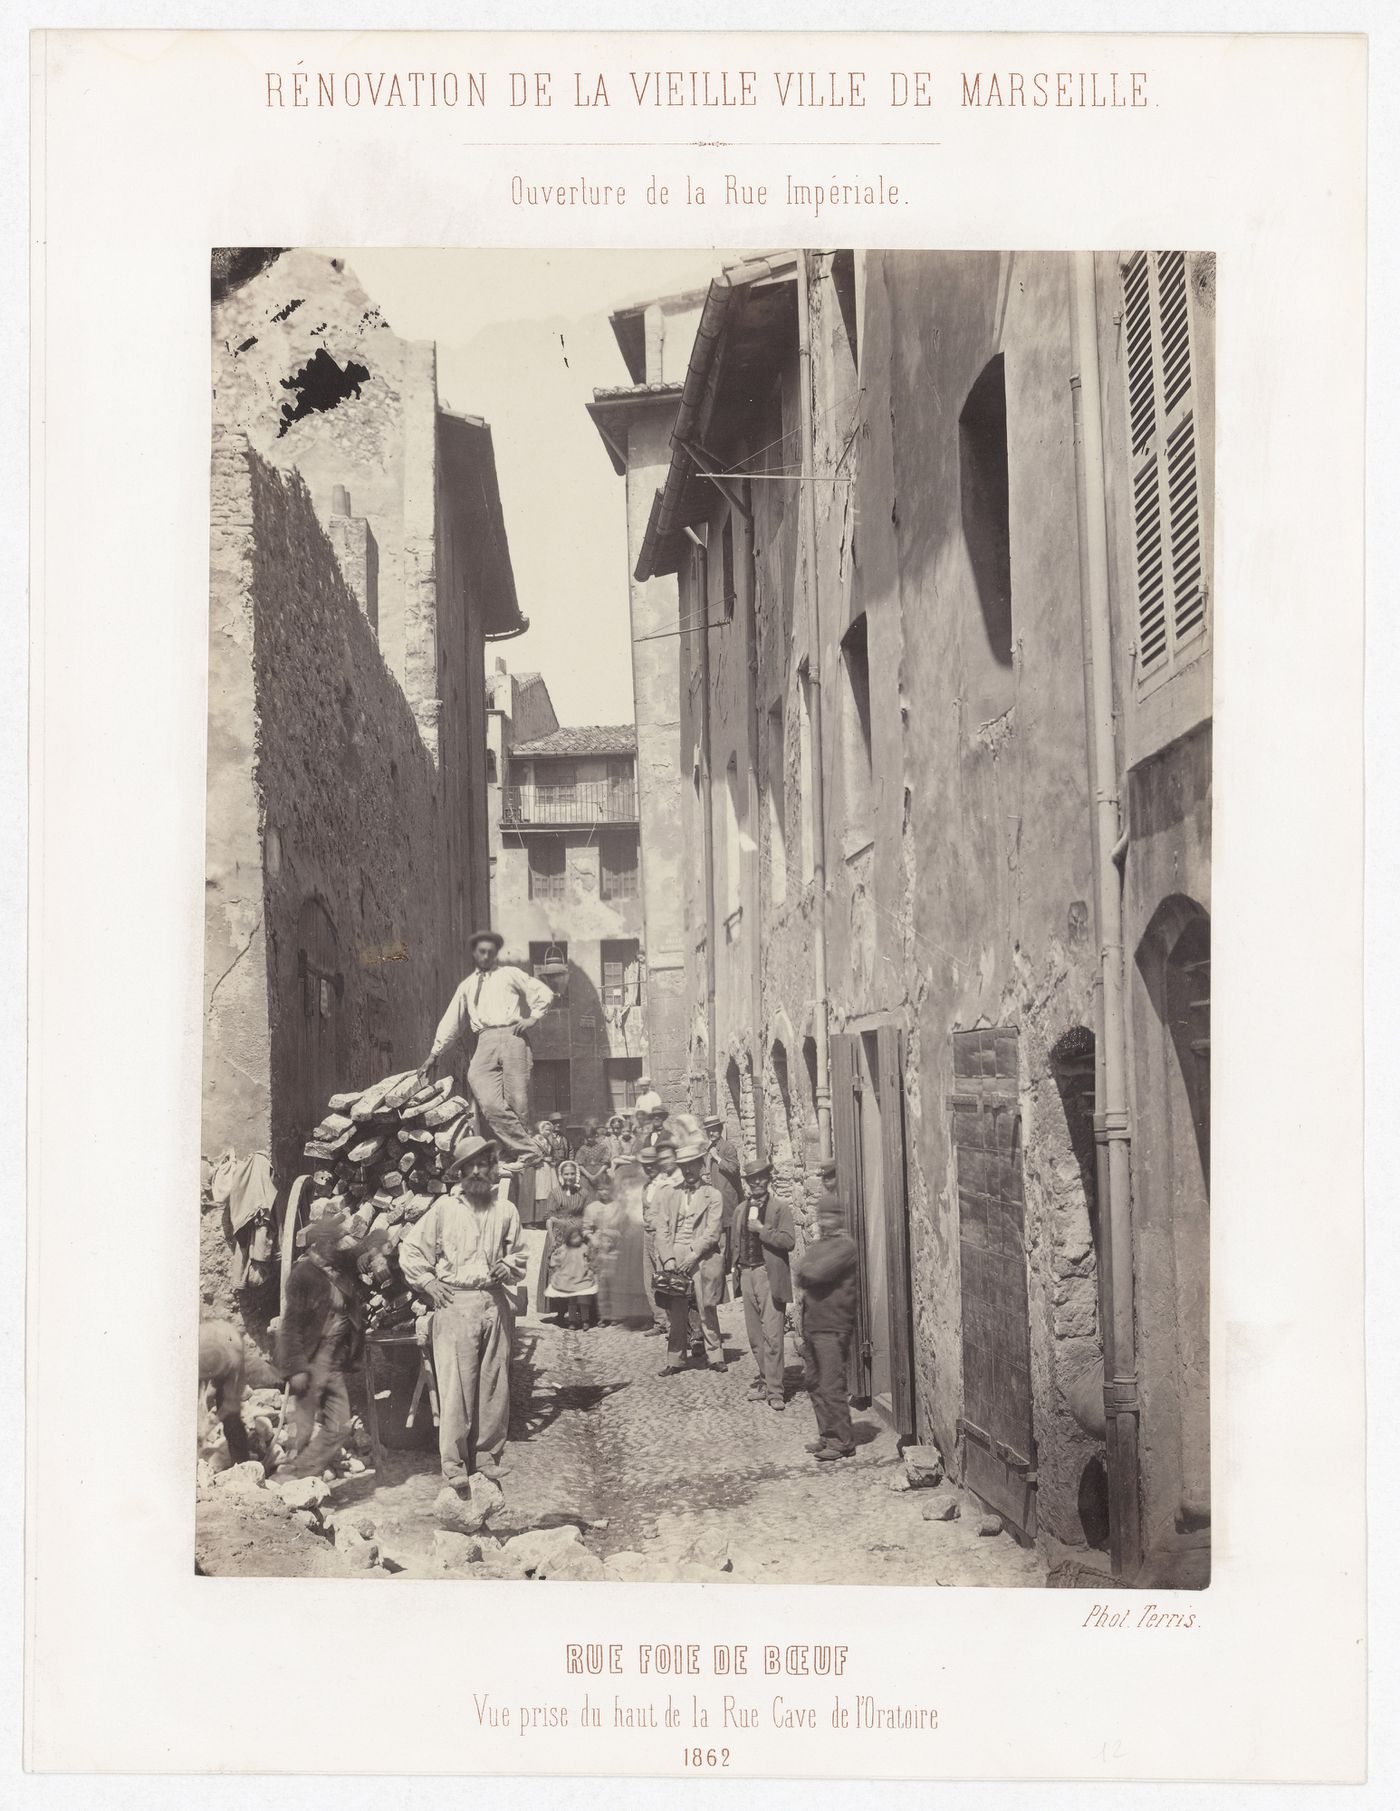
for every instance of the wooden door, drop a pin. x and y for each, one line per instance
(996, 1424)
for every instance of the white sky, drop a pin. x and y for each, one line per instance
(523, 339)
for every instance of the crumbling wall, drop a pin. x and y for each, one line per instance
(349, 808)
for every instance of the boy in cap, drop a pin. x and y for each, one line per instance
(826, 1272)
(499, 1003)
(763, 1237)
(318, 1340)
(464, 1256)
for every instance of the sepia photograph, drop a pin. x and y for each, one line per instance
(707, 940)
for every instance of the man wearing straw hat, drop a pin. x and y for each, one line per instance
(688, 1243)
(498, 1003)
(465, 1255)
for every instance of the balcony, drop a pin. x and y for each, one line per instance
(587, 802)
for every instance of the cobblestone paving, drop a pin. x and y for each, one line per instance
(652, 1464)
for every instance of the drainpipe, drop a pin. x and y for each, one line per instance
(1111, 1131)
(707, 828)
(821, 1021)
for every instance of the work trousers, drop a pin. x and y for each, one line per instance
(658, 1317)
(320, 1419)
(499, 1078)
(824, 1359)
(763, 1319)
(679, 1316)
(471, 1356)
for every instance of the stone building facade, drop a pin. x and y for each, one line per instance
(634, 422)
(359, 563)
(566, 892)
(931, 687)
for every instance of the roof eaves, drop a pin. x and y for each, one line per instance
(661, 545)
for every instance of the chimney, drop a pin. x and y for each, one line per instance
(340, 500)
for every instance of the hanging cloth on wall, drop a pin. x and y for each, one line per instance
(243, 1187)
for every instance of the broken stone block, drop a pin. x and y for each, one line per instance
(242, 1479)
(577, 1564)
(923, 1466)
(709, 1550)
(989, 1524)
(627, 1567)
(469, 1514)
(352, 1520)
(300, 1493)
(535, 1554)
(942, 1509)
(900, 1481)
(308, 1519)
(451, 1551)
(363, 1554)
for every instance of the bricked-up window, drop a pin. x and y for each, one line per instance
(859, 767)
(618, 864)
(984, 475)
(1171, 579)
(775, 786)
(549, 867)
(804, 770)
(733, 831)
(622, 973)
(726, 546)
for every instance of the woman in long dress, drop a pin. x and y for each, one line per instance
(622, 1245)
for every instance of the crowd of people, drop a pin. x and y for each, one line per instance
(650, 1222)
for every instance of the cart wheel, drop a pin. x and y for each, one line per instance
(295, 1218)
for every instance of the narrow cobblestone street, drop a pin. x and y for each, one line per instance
(670, 1467)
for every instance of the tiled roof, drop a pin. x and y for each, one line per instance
(583, 739)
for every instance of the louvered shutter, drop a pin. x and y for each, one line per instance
(1171, 588)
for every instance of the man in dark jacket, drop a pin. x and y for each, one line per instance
(763, 1238)
(318, 1341)
(826, 1274)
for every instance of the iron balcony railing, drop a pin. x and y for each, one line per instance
(587, 802)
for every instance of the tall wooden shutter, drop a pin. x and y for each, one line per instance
(845, 1127)
(890, 1043)
(1171, 580)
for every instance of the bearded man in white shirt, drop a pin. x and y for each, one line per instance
(498, 1004)
(466, 1255)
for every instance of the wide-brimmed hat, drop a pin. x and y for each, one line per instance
(556, 1119)
(758, 1171)
(485, 936)
(463, 1153)
(692, 1151)
(712, 1122)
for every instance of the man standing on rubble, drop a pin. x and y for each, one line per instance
(464, 1256)
(498, 1003)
